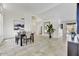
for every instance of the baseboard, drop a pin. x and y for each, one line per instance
(8, 38)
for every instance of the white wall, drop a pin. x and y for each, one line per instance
(9, 23)
(59, 14)
(1, 24)
(62, 12)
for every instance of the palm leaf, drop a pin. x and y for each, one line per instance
(50, 28)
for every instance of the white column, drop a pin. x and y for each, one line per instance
(64, 31)
(1, 28)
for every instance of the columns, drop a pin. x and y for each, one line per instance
(1, 24)
(64, 31)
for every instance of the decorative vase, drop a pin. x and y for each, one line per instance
(73, 36)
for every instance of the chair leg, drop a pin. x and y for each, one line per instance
(21, 41)
(33, 40)
(26, 41)
(30, 40)
(16, 40)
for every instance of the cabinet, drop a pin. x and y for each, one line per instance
(73, 49)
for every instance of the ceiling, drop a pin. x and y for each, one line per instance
(33, 8)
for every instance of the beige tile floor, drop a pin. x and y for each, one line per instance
(43, 46)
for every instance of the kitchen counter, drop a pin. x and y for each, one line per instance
(70, 40)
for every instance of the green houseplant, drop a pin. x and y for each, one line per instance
(50, 30)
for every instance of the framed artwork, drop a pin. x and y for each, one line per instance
(45, 26)
(18, 24)
(61, 26)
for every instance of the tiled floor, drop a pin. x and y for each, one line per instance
(43, 46)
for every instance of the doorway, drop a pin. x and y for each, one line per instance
(71, 27)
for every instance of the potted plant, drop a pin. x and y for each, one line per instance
(50, 30)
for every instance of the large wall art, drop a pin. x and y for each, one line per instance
(18, 24)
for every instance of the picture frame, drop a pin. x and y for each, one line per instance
(18, 24)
